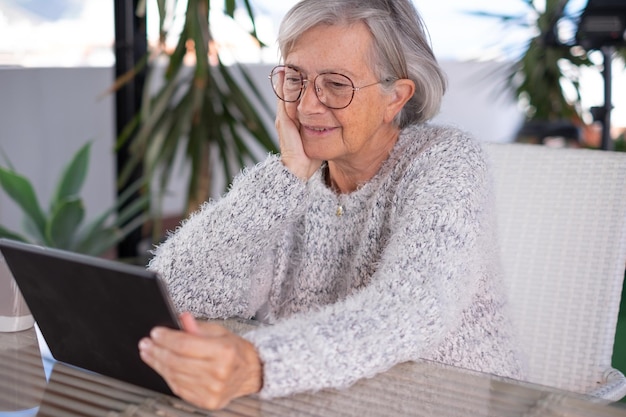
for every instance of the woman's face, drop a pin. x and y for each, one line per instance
(359, 133)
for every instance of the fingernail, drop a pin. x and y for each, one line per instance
(156, 333)
(144, 344)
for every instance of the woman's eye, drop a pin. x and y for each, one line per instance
(336, 85)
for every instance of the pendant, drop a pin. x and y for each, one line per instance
(339, 211)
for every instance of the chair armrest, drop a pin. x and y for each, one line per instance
(613, 386)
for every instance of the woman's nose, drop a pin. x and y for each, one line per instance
(309, 101)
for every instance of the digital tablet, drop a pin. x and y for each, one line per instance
(92, 312)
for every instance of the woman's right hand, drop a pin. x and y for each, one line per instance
(205, 364)
(292, 151)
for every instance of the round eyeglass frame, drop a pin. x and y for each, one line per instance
(305, 82)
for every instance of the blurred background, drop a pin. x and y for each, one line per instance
(61, 79)
(105, 100)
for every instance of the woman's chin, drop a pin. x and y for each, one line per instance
(319, 150)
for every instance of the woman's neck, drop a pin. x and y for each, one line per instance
(344, 178)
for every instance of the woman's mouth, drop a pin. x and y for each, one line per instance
(318, 130)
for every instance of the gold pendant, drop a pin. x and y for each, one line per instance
(339, 210)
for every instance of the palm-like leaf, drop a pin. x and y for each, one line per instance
(113, 225)
(200, 109)
(538, 74)
(22, 192)
(9, 234)
(73, 176)
(60, 227)
(65, 219)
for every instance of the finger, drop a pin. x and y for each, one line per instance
(153, 356)
(211, 383)
(189, 323)
(181, 374)
(169, 362)
(287, 129)
(193, 326)
(188, 376)
(209, 343)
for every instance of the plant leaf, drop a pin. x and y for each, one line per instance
(132, 210)
(536, 75)
(250, 118)
(176, 60)
(64, 222)
(101, 241)
(73, 177)
(151, 125)
(109, 237)
(89, 235)
(5, 157)
(32, 230)
(251, 14)
(163, 155)
(268, 107)
(22, 192)
(197, 108)
(8, 234)
(229, 7)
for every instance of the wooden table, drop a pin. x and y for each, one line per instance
(30, 385)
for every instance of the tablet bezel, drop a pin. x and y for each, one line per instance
(92, 312)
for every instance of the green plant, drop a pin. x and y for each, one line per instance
(546, 63)
(620, 143)
(200, 107)
(61, 226)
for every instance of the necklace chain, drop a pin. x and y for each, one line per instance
(340, 210)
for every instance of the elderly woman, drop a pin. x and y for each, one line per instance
(369, 241)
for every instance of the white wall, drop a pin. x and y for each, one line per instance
(478, 102)
(46, 114)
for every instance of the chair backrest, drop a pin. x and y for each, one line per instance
(562, 229)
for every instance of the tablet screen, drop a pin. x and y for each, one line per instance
(92, 312)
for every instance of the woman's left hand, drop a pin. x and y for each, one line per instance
(206, 364)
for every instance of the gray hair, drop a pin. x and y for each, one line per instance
(401, 45)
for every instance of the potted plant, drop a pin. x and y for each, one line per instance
(548, 66)
(62, 224)
(202, 107)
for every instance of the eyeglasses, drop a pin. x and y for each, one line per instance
(333, 90)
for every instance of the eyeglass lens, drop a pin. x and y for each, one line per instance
(333, 90)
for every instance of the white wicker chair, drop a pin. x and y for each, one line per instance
(562, 226)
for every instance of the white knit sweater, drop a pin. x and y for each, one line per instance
(410, 270)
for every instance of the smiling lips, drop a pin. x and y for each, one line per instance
(317, 129)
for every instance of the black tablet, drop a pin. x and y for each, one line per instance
(92, 312)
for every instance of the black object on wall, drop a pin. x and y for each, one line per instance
(602, 27)
(603, 23)
(131, 46)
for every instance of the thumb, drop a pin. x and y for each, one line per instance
(189, 323)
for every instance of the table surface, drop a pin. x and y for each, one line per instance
(32, 384)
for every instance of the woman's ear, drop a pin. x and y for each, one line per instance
(403, 90)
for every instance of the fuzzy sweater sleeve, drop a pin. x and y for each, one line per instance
(210, 262)
(427, 277)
